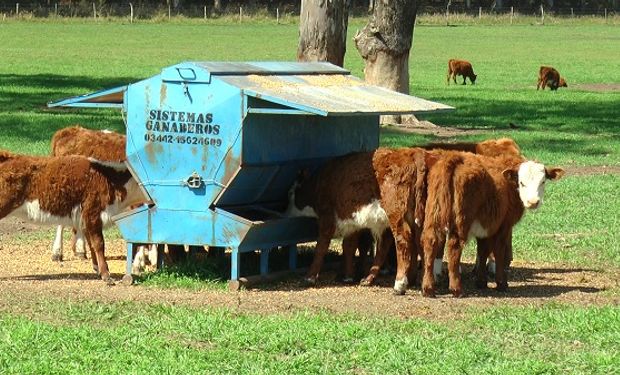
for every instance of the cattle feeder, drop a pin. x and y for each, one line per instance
(216, 147)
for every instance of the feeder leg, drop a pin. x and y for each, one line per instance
(264, 261)
(292, 257)
(235, 262)
(127, 278)
(160, 256)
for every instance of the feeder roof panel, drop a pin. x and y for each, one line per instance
(331, 94)
(269, 68)
(108, 98)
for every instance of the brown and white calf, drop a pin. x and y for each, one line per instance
(69, 190)
(370, 190)
(99, 144)
(462, 68)
(549, 76)
(473, 196)
(492, 147)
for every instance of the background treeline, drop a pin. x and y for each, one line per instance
(196, 8)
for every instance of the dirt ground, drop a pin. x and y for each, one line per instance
(28, 278)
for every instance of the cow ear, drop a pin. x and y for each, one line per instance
(510, 174)
(554, 174)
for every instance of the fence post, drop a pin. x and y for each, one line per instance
(240, 14)
(16, 9)
(205, 12)
(94, 11)
(56, 9)
(448, 12)
(572, 14)
(130, 13)
(169, 12)
(278, 16)
(479, 12)
(512, 14)
(542, 14)
(605, 14)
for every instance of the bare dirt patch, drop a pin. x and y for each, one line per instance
(598, 87)
(592, 170)
(427, 127)
(28, 278)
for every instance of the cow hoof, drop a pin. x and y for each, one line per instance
(81, 256)
(310, 280)
(109, 281)
(399, 292)
(400, 286)
(502, 287)
(56, 258)
(457, 293)
(348, 280)
(368, 281)
(428, 293)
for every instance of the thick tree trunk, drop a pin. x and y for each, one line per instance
(323, 30)
(217, 6)
(384, 44)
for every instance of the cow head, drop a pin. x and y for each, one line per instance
(298, 204)
(562, 83)
(473, 78)
(530, 177)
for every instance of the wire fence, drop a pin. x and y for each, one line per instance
(142, 11)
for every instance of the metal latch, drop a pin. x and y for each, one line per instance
(194, 181)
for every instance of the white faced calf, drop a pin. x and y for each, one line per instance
(472, 196)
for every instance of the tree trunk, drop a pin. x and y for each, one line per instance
(384, 44)
(217, 6)
(323, 31)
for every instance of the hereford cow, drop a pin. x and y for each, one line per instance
(462, 68)
(481, 197)
(69, 190)
(548, 76)
(493, 148)
(99, 144)
(374, 190)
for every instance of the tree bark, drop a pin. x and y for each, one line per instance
(384, 44)
(323, 31)
(217, 6)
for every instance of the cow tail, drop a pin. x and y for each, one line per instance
(444, 194)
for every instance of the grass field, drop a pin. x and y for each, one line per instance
(577, 225)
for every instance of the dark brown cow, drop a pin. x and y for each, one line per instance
(549, 76)
(462, 68)
(69, 190)
(99, 144)
(493, 148)
(374, 190)
(474, 196)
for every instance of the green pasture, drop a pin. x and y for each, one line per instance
(577, 225)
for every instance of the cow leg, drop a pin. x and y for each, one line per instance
(430, 245)
(78, 244)
(349, 245)
(448, 77)
(94, 237)
(464, 79)
(57, 246)
(483, 252)
(455, 248)
(326, 232)
(383, 249)
(501, 249)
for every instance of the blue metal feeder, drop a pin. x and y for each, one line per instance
(216, 147)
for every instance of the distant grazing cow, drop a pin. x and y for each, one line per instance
(481, 197)
(492, 147)
(99, 144)
(462, 68)
(69, 190)
(548, 76)
(374, 190)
